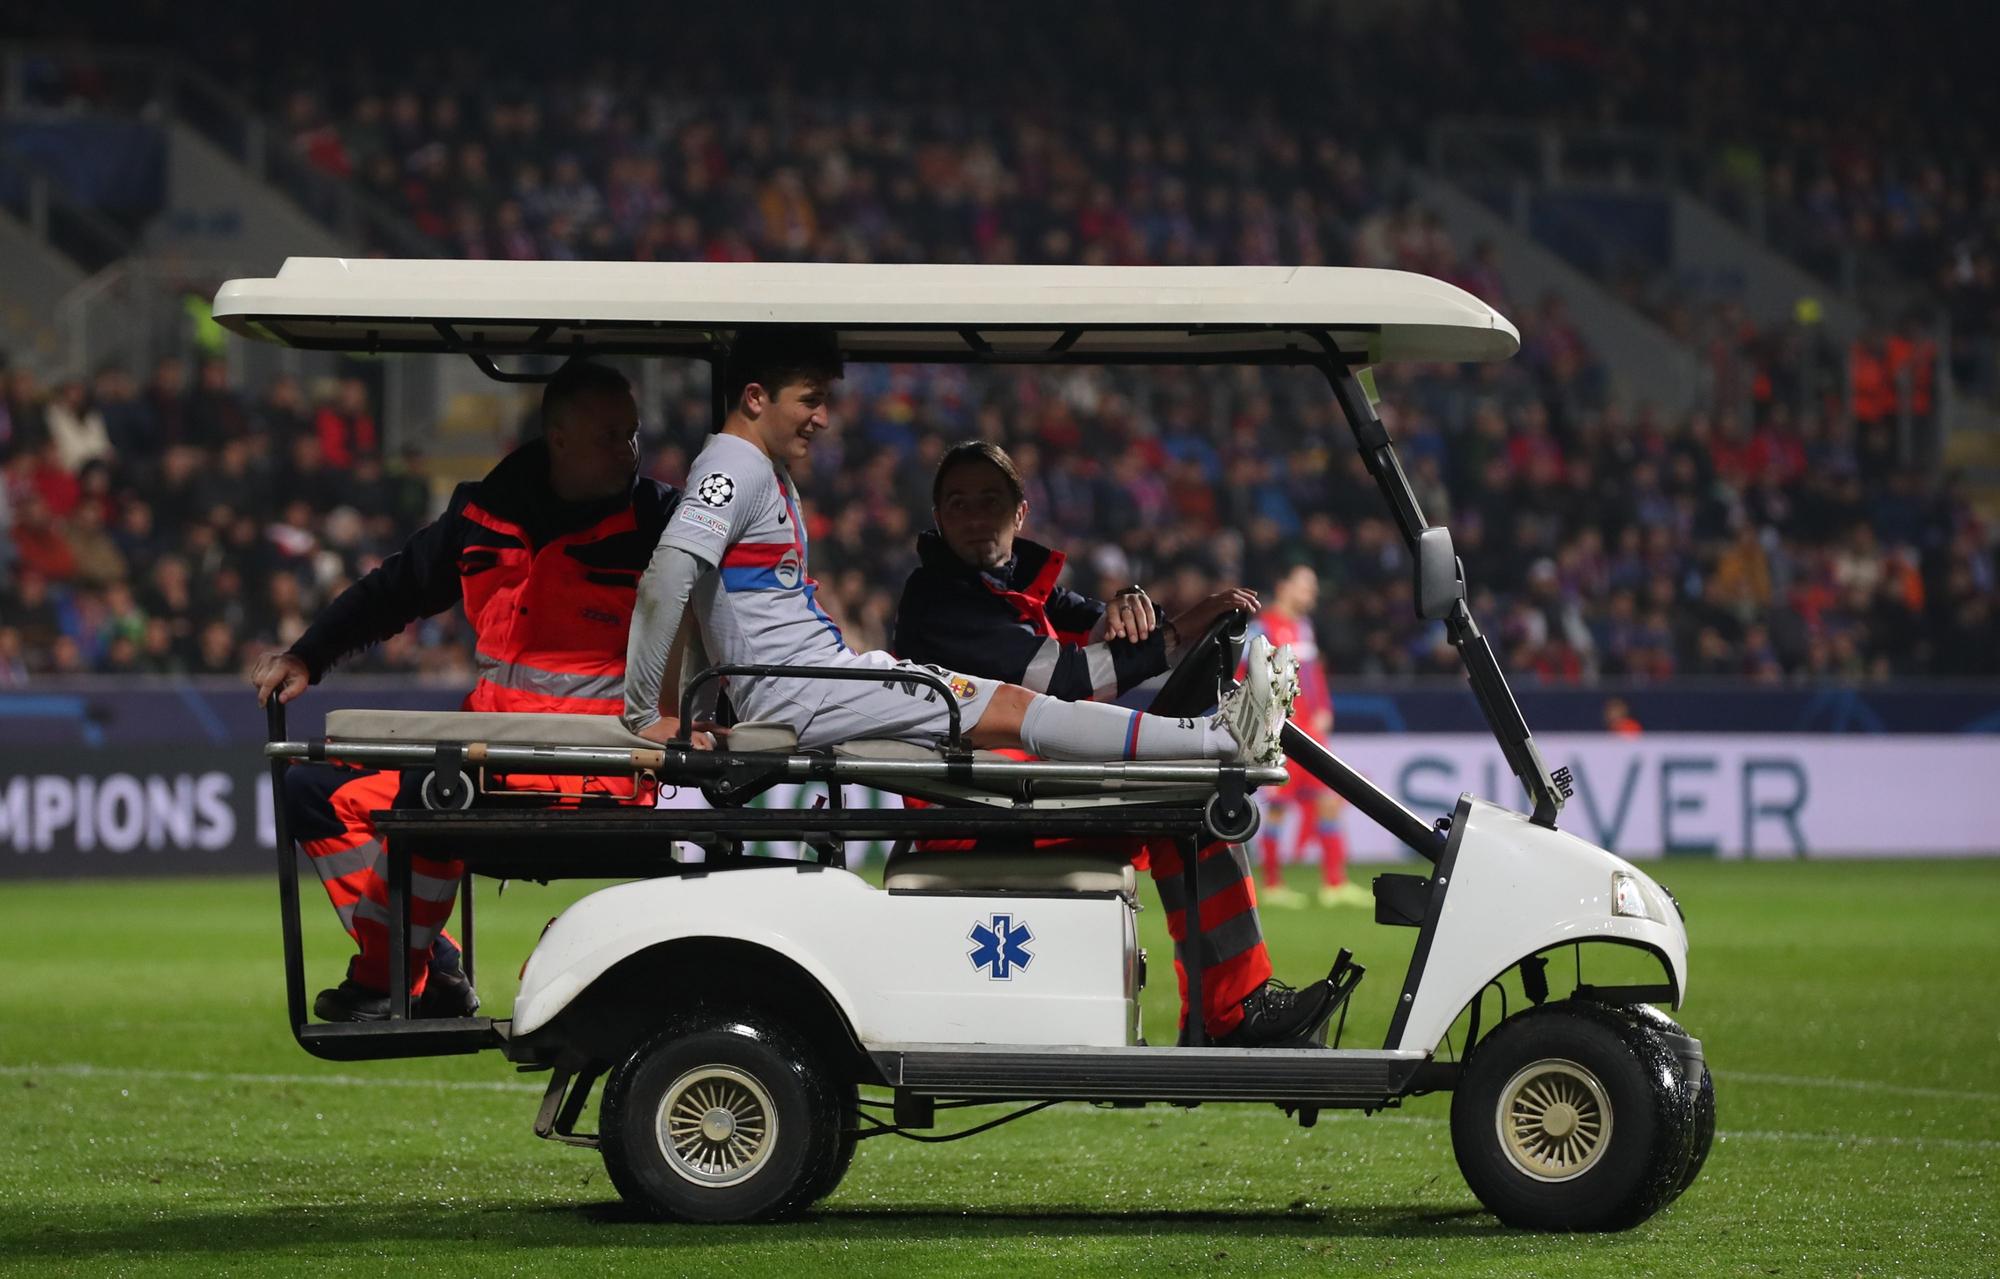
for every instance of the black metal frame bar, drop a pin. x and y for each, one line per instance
(1373, 802)
(546, 844)
(1197, 1006)
(357, 1041)
(1061, 352)
(1447, 866)
(1482, 668)
(484, 360)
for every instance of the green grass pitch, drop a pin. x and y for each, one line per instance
(158, 1119)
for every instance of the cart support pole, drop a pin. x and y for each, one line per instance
(465, 928)
(1373, 802)
(1482, 669)
(288, 876)
(1197, 1014)
(399, 931)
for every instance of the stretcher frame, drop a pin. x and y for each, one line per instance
(1189, 801)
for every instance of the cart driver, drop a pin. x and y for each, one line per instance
(986, 601)
(545, 552)
(736, 550)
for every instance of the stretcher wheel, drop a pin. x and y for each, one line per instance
(440, 797)
(1231, 823)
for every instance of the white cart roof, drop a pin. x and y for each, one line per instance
(982, 313)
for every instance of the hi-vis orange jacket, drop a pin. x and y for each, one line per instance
(548, 586)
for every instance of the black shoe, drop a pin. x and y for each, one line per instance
(351, 1001)
(446, 994)
(1276, 1016)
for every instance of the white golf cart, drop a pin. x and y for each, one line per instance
(733, 1005)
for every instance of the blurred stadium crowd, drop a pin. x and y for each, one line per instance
(1786, 529)
(180, 527)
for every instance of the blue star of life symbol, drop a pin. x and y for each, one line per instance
(1000, 947)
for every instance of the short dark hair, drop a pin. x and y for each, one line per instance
(774, 358)
(978, 451)
(574, 381)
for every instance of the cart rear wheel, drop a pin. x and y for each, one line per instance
(722, 1119)
(1572, 1117)
(848, 1107)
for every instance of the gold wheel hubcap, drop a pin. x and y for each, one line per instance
(1553, 1120)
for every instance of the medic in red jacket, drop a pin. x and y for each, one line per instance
(545, 553)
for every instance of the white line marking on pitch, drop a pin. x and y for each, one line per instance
(86, 1071)
(1732, 1134)
(1857, 1085)
(82, 1070)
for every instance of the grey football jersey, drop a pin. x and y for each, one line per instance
(740, 513)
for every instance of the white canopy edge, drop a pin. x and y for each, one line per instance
(498, 308)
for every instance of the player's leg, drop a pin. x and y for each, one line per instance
(1331, 838)
(1245, 726)
(1278, 838)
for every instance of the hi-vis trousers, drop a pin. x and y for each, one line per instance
(331, 807)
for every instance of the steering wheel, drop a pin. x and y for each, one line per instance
(1205, 669)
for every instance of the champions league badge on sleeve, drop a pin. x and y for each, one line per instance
(715, 489)
(1001, 947)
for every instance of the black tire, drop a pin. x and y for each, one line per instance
(762, 1080)
(1704, 1129)
(843, 1156)
(1704, 1097)
(1617, 1090)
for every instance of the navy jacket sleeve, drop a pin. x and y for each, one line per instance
(418, 581)
(961, 631)
(977, 633)
(1069, 611)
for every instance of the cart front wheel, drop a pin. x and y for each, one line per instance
(1571, 1117)
(1704, 1095)
(724, 1120)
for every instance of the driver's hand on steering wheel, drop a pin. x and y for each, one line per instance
(1194, 623)
(705, 737)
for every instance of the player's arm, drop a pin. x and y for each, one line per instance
(420, 580)
(657, 617)
(698, 535)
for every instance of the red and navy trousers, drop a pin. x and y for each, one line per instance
(331, 808)
(1233, 958)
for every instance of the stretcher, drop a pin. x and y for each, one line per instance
(472, 814)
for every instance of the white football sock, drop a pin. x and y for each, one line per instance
(1055, 729)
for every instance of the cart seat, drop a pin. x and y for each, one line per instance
(1033, 873)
